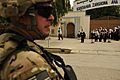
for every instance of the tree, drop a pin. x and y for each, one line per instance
(61, 7)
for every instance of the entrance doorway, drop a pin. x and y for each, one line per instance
(70, 30)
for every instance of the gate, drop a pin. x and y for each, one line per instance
(70, 30)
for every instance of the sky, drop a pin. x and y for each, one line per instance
(71, 2)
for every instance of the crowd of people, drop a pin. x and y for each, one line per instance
(105, 35)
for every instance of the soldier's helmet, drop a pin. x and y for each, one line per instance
(9, 8)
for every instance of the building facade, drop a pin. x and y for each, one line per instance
(72, 23)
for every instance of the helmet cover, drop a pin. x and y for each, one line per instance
(9, 8)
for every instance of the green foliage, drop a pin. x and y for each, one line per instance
(61, 7)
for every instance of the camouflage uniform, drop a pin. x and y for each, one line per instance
(23, 63)
(20, 58)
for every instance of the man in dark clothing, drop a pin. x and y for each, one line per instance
(82, 35)
(60, 34)
(92, 36)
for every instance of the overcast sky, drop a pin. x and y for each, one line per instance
(71, 2)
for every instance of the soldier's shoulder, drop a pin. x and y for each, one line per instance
(29, 63)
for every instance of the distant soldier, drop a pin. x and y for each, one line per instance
(109, 35)
(105, 35)
(92, 36)
(82, 35)
(60, 35)
(78, 35)
(96, 35)
(101, 31)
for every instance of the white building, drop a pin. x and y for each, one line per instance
(73, 22)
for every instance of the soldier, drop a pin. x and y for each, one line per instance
(105, 35)
(82, 35)
(60, 36)
(92, 36)
(20, 57)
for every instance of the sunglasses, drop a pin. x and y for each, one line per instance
(44, 11)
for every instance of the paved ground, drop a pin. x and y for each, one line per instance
(97, 61)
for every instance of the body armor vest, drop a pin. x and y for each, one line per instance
(22, 63)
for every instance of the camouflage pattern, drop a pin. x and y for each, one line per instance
(10, 8)
(24, 64)
(6, 46)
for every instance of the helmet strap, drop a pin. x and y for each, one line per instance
(33, 22)
(29, 22)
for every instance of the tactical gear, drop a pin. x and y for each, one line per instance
(69, 73)
(20, 62)
(20, 57)
(40, 62)
(9, 8)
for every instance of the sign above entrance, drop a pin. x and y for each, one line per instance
(82, 5)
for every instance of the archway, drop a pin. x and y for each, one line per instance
(70, 30)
